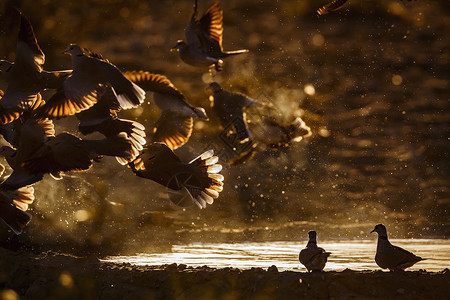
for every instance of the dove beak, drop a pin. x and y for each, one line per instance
(372, 231)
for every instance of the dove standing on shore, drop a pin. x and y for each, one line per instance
(199, 178)
(204, 39)
(312, 257)
(392, 257)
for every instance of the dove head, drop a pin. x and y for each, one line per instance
(5, 66)
(201, 113)
(154, 149)
(74, 50)
(180, 46)
(312, 235)
(215, 87)
(380, 229)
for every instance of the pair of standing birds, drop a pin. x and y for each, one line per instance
(388, 256)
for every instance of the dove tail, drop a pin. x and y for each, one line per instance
(15, 218)
(235, 52)
(112, 126)
(131, 97)
(118, 145)
(206, 182)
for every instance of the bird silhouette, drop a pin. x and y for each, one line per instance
(25, 76)
(199, 178)
(392, 257)
(312, 257)
(204, 39)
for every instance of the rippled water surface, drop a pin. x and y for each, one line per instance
(355, 255)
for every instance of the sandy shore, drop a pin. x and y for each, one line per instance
(60, 276)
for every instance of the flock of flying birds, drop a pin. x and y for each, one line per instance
(95, 90)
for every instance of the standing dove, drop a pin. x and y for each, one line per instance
(204, 39)
(392, 257)
(312, 257)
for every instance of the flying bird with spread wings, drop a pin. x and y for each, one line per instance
(204, 36)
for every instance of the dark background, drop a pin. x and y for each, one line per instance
(379, 152)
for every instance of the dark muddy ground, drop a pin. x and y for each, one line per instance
(58, 276)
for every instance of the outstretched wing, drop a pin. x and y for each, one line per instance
(211, 22)
(153, 82)
(173, 130)
(28, 50)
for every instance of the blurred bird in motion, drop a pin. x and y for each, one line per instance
(392, 257)
(312, 257)
(272, 133)
(204, 39)
(199, 178)
(332, 6)
(175, 125)
(14, 204)
(26, 76)
(229, 108)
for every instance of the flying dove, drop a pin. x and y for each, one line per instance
(26, 135)
(174, 126)
(229, 107)
(40, 152)
(199, 178)
(312, 257)
(13, 207)
(392, 257)
(204, 39)
(102, 117)
(26, 77)
(66, 152)
(332, 6)
(81, 90)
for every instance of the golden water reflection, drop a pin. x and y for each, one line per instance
(354, 254)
